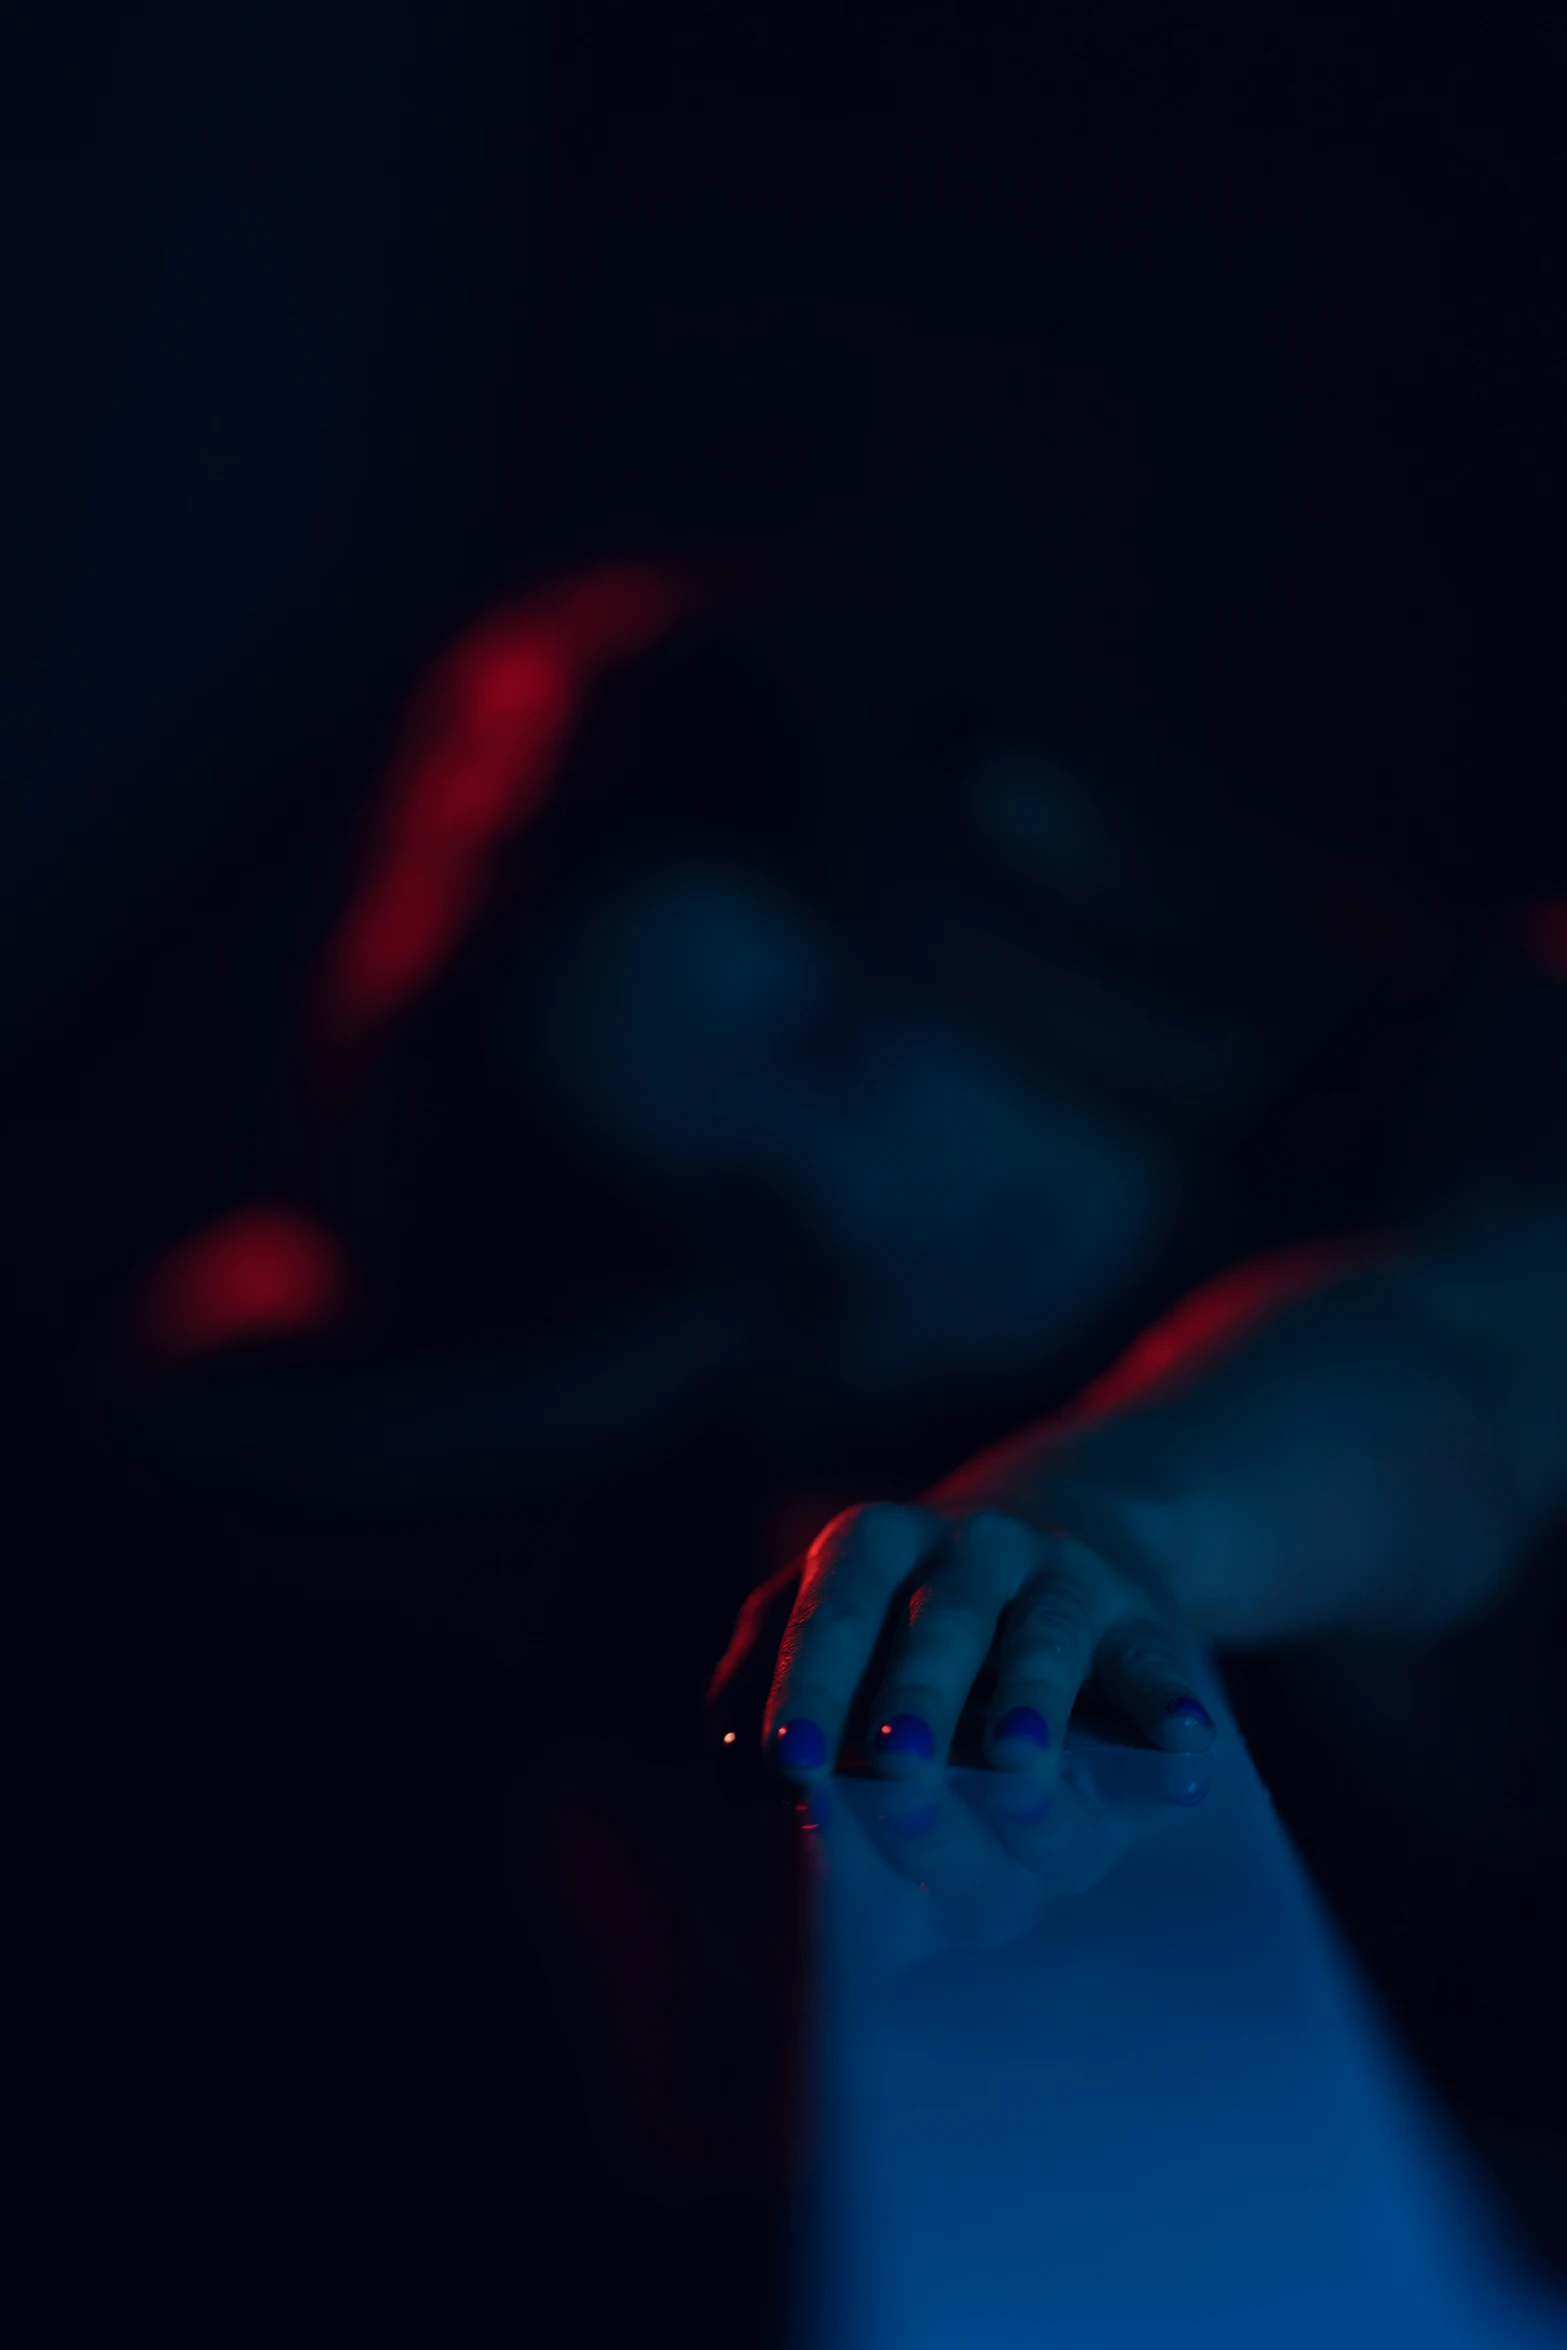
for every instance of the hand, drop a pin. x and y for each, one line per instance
(1308, 1452)
(901, 1613)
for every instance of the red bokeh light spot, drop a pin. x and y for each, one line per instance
(264, 1271)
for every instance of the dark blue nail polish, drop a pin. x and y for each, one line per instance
(1186, 1709)
(800, 1745)
(1023, 1723)
(906, 1734)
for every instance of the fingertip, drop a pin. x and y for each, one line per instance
(902, 1746)
(798, 1747)
(1019, 1739)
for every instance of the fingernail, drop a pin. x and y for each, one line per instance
(1021, 1721)
(906, 1734)
(1186, 1709)
(800, 1745)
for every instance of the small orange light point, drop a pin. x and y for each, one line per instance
(729, 1737)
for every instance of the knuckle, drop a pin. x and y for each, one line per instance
(995, 1526)
(867, 1524)
(1147, 1651)
(943, 1612)
(838, 1615)
(836, 1532)
(875, 1541)
(1051, 1622)
(993, 1545)
(883, 1526)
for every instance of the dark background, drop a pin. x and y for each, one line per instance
(1202, 363)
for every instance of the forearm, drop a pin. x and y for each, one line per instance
(1124, 1458)
(1366, 1437)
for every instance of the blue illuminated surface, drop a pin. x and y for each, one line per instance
(1105, 2077)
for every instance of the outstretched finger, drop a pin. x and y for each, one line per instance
(1053, 1628)
(852, 1574)
(1142, 1669)
(936, 1655)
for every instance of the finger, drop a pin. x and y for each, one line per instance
(1054, 1627)
(737, 1693)
(852, 1573)
(950, 1629)
(1143, 1670)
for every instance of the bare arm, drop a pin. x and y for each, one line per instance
(1379, 1446)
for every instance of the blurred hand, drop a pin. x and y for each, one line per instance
(1265, 1464)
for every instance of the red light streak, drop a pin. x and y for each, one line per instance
(1205, 1324)
(478, 757)
(264, 1271)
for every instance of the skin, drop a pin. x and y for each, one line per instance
(1378, 1452)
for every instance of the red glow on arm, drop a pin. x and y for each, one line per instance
(1542, 931)
(1214, 1318)
(479, 754)
(265, 1271)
